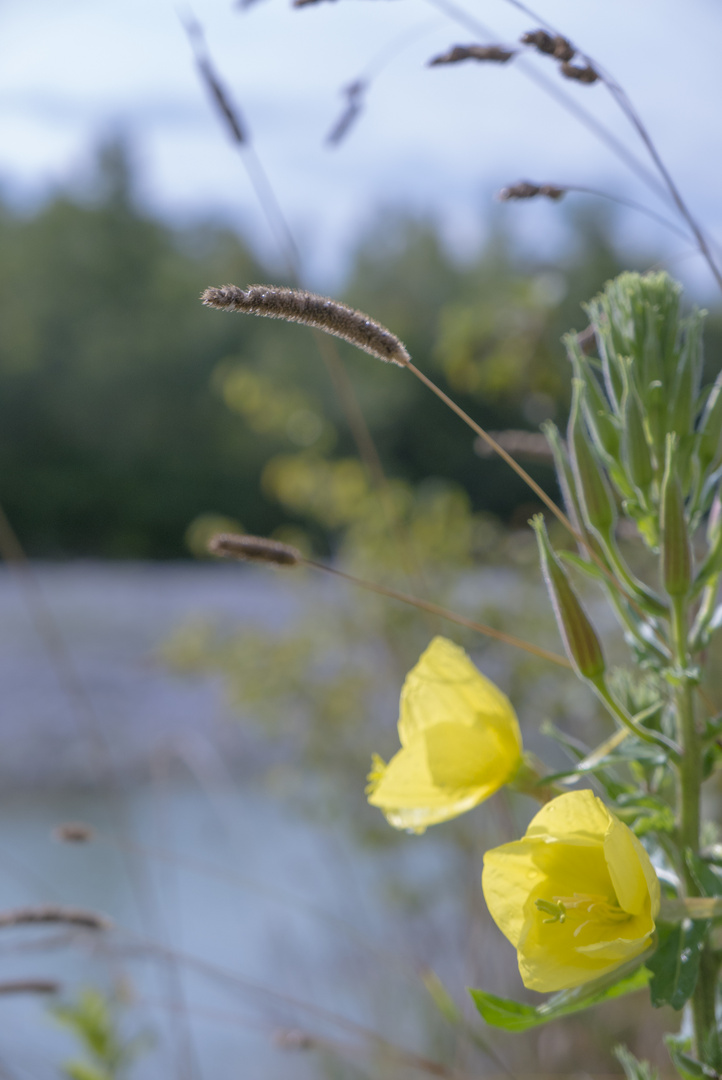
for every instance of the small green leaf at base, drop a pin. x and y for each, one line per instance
(680, 1051)
(675, 964)
(634, 1069)
(514, 1016)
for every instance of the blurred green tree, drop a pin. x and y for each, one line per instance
(120, 393)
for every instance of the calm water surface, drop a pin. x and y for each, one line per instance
(234, 918)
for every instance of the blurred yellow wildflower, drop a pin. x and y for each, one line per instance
(460, 742)
(577, 895)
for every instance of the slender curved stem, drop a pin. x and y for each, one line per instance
(443, 613)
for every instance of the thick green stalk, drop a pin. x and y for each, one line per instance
(690, 784)
(690, 772)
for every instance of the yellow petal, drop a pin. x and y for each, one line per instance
(619, 950)
(462, 756)
(410, 798)
(445, 686)
(510, 873)
(599, 891)
(578, 815)
(625, 867)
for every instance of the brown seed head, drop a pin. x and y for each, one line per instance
(297, 305)
(585, 74)
(474, 52)
(563, 49)
(54, 913)
(254, 549)
(29, 986)
(540, 40)
(551, 45)
(551, 191)
(526, 190)
(523, 190)
(73, 832)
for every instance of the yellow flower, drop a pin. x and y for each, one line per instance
(460, 742)
(577, 895)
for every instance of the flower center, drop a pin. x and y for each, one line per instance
(594, 906)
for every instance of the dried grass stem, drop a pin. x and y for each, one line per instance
(271, 552)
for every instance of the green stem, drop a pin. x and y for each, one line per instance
(705, 613)
(655, 737)
(690, 784)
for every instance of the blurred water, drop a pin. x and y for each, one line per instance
(223, 899)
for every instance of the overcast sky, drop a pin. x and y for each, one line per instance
(439, 140)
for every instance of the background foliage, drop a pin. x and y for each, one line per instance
(120, 395)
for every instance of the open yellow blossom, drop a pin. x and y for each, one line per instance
(577, 895)
(460, 742)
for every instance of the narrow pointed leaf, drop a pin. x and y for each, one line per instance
(514, 1016)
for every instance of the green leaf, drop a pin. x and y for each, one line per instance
(514, 1016)
(633, 1068)
(708, 883)
(675, 964)
(687, 1066)
(586, 567)
(655, 821)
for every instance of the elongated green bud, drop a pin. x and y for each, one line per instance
(710, 429)
(712, 562)
(579, 636)
(687, 377)
(591, 485)
(676, 550)
(601, 421)
(565, 476)
(637, 456)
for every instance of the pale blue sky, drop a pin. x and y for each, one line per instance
(439, 140)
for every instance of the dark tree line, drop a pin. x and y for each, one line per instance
(122, 415)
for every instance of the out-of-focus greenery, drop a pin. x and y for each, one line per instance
(120, 394)
(95, 1021)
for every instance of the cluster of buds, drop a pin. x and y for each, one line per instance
(561, 49)
(642, 438)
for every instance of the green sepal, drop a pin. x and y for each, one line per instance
(514, 1016)
(565, 477)
(637, 454)
(585, 566)
(676, 550)
(579, 636)
(595, 498)
(601, 421)
(687, 376)
(710, 430)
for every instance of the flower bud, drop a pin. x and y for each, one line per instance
(676, 551)
(687, 378)
(710, 430)
(565, 476)
(637, 456)
(601, 421)
(590, 482)
(578, 634)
